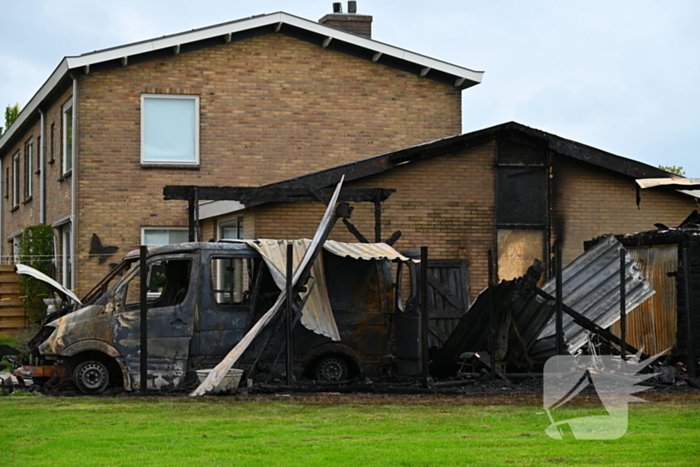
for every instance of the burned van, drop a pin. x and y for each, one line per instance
(202, 298)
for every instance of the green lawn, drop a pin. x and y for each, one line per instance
(328, 430)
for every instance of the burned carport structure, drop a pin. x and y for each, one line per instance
(256, 196)
(509, 189)
(670, 258)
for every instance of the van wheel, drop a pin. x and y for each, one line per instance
(331, 368)
(91, 377)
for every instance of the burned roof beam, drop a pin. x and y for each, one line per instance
(254, 196)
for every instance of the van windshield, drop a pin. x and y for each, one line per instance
(109, 281)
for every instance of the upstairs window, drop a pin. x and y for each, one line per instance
(169, 129)
(28, 166)
(68, 137)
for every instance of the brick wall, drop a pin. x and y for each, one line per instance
(271, 107)
(445, 203)
(588, 201)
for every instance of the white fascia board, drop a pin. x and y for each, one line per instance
(58, 74)
(176, 39)
(270, 20)
(209, 209)
(376, 46)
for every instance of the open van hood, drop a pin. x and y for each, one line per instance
(29, 271)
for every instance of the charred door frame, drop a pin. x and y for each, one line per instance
(514, 150)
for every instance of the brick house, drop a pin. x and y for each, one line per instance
(510, 189)
(244, 103)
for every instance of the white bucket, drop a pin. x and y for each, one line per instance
(231, 380)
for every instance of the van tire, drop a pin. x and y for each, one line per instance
(331, 367)
(91, 377)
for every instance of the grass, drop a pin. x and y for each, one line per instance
(328, 430)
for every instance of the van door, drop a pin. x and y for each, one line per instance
(225, 312)
(172, 296)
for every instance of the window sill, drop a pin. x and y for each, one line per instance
(65, 177)
(27, 200)
(52, 161)
(148, 166)
(14, 208)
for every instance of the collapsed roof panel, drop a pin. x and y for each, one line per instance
(591, 286)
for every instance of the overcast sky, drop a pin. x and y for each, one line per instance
(622, 76)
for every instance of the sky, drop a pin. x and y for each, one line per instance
(622, 76)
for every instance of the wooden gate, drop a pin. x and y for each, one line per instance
(448, 297)
(12, 317)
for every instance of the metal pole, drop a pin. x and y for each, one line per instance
(492, 312)
(290, 273)
(144, 319)
(623, 304)
(424, 312)
(559, 301)
(687, 283)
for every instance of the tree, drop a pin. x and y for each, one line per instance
(11, 113)
(673, 169)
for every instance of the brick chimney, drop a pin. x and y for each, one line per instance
(349, 22)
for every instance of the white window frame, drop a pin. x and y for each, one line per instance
(146, 161)
(14, 248)
(15, 179)
(67, 143)
(220, 273)
(146, 229)
(28, 169)
(228, 222)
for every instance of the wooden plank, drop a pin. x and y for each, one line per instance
(9, 278)
(9, 312)
(449, 313)
(9, 323)
(437, 332)
(9, 290)
(11, 302)
(7, 268)
(452, 298)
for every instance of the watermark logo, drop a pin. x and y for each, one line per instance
(609, 379)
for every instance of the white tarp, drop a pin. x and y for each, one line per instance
(317, 315)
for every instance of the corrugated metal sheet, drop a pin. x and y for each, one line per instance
(364, 251)
(652, 325)
(591, 286)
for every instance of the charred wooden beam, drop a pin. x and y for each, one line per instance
(353, 230)
(254, 196)
(377, 220)
(590, 325)
(394, 238)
